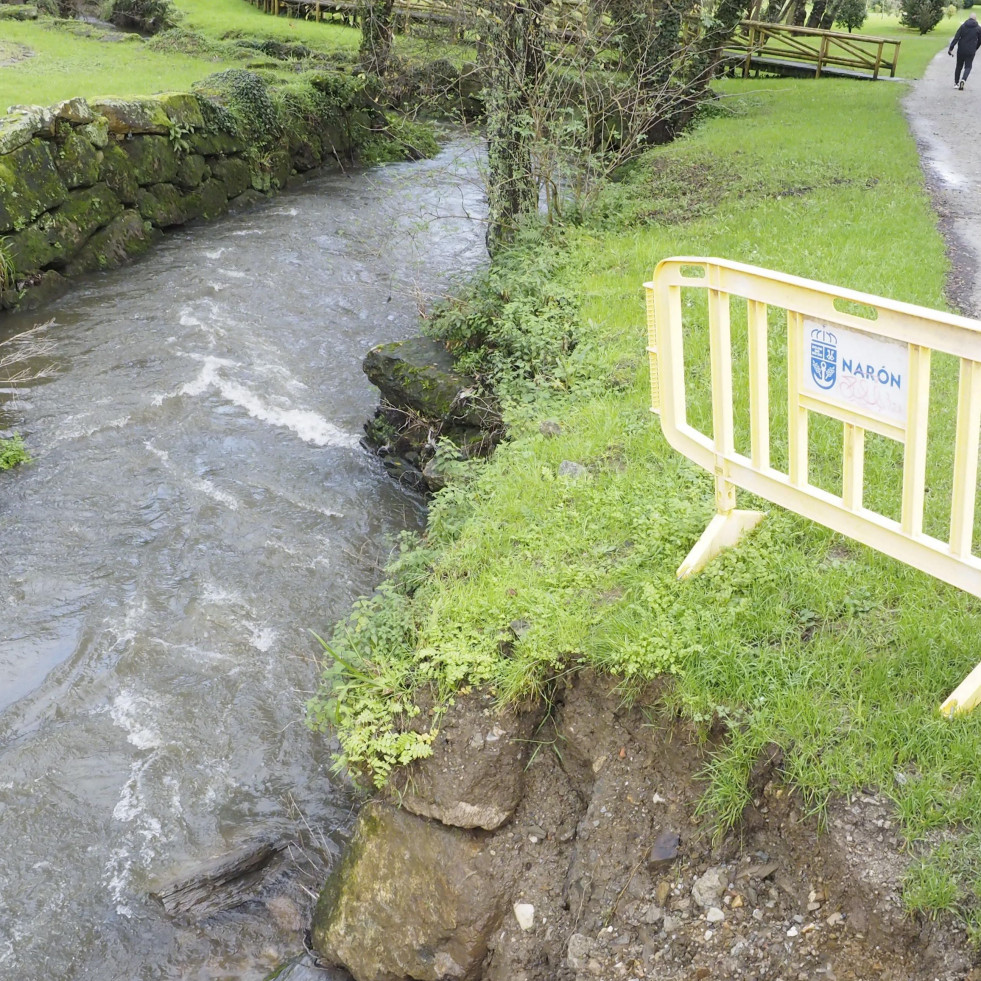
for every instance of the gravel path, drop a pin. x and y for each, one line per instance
(944, 122)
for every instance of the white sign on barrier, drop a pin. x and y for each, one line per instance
(855, 370)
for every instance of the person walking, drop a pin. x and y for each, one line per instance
(968, 40)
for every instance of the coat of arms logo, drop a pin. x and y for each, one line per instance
(824, 357)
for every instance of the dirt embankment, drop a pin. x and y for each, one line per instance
(602, 867)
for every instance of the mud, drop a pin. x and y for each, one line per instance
(626, 881)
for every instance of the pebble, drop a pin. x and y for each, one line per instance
(524, 913)
(793, 931)
(710, 887)
(714, 915)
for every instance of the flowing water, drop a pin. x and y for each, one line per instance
(198, 503)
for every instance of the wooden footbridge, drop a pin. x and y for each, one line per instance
(808, 52)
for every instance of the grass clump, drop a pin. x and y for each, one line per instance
(532, 568)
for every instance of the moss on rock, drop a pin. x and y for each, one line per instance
(192, 171)
(209, 200)
(116, 172)
(125, 238)
(162, 204)
(234, 174)
(215, 144)
(152, 159)
(29, 185)
(182, 109)
(57, 235)
(78, 161)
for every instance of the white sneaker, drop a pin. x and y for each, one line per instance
(961, 85)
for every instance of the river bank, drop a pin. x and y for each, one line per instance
(790, 760)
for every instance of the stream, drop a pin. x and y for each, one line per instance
(199, 501)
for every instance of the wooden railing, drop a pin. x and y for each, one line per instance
(783, 47)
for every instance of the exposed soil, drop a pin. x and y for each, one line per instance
(625, 881)
(605, 869)
(11, 53)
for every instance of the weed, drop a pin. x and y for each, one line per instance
(13, 452)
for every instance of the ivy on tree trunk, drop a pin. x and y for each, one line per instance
(513, 44)
(375, 17)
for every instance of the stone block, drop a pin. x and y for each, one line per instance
(182, 108)
(29, 185)
(207, 201)
(117, 171)
(56, 236)
(192, 171)
(234, 173)
(152, 159)
(76, 111)
(163, 205)
(126, 237)
(136, 116)
(410, 899)
(78, 161)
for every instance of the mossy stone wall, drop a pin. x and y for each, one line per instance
(86, 186)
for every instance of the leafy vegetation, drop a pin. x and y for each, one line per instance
(12, 452)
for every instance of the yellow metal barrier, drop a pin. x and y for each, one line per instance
(858, 359)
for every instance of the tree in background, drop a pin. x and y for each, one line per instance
(512, 40)
(923, 15)
(850, 14)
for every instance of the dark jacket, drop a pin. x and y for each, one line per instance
(967, 38)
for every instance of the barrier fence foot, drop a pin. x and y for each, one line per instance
(723, 531)
(965, 696)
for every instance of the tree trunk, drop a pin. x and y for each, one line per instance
(817, 12)
(516, 64)
(375, 17)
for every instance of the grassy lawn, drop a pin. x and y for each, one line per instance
(797, 637)
(70, 58)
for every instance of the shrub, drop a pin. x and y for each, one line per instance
(12, 452)
(922, 15)
(145, 16)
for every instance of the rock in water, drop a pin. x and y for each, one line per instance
(410, 899)
(220, 883)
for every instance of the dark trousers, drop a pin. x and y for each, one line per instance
(964, 61)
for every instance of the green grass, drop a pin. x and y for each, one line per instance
(796, 637)
(65, 63)
(72, 59)
(238, 18)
